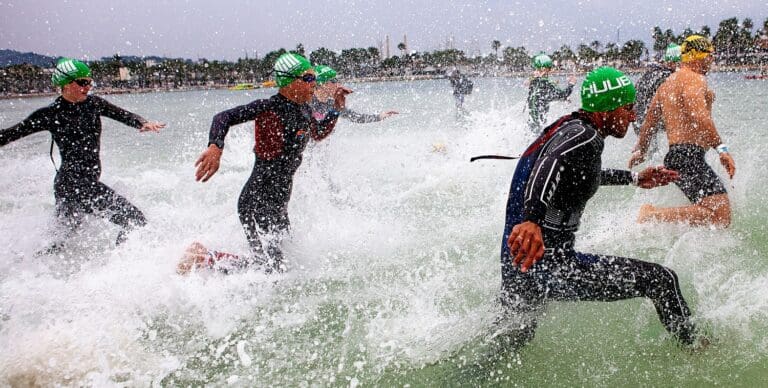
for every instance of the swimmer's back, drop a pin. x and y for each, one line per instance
(685, 101)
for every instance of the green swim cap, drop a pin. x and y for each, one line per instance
(673, 53)
(606, 89)
(289, 66)
(542, 61)
(324, 74)
(68, 70)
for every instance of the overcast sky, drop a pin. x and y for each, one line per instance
(226, 29)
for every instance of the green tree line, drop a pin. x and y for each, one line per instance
(736, 43)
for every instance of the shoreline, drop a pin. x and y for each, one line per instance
(399, 78)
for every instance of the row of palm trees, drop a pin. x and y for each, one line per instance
(735, 42)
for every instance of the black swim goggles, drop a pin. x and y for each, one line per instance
(308, 78)
(83, 82)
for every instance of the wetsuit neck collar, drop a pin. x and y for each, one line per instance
(62, 100)
(592, 119)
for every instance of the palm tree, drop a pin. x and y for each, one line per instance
(586, 54)
(401, 46)
(596, 45)
(632, 51)
(748, 24)
(323, 56)
(495, 46)
(516, 58)
(611, 51)
(564, 53)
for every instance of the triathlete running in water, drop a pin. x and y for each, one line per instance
(555, 178)
(684, 104)
(323, 102)
(74, 121)
(542, 91)
(462, 87)
(283, 127)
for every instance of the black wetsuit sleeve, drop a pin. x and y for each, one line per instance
(116, 113)
(539, 184)
(610, 177)
(554, 93)
(361, 118)
(36, 122)
(222, 121)
(321, 129)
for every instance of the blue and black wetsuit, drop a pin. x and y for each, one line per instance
(282, 130)
(76, 130)
(552, 184)
(541, 92)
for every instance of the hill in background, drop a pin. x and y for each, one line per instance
(13, 57)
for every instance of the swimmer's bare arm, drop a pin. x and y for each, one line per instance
(647, 130)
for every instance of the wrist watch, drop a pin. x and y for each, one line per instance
(217, 143)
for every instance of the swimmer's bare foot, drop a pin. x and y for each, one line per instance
(699, 345)
(195, 256)
(646, 213)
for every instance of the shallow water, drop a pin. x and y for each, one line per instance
(394, 257)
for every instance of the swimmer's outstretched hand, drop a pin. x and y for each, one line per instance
(656, 176)
(526, 245)
(340, 97)
(727, 161)
(152, 126)
(208, 163)
(384, 115)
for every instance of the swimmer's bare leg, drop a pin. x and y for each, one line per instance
(714, 210)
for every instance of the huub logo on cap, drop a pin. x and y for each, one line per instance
(606, 89)
(606, 85)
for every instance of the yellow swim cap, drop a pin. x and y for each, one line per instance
(696, 47)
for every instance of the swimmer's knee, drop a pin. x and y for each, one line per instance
(720, 206)
(657, 281)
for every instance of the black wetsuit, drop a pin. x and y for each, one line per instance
(282, 130)
(541, 92)
(553, 182)
(646, 86)
(462, 86)
(76, 130)
(320, 109)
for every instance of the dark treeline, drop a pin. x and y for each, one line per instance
(737, 43)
